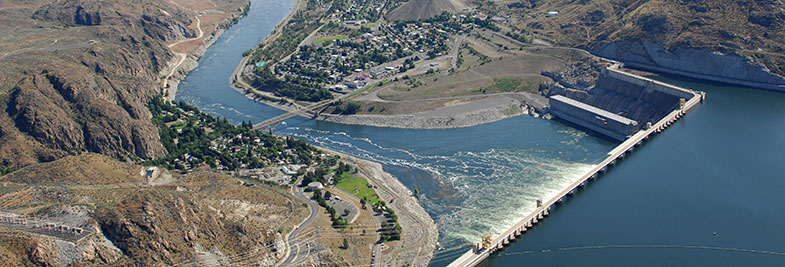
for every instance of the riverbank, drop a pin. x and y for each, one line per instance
(186, 62)
(466, 113)
(189, 61)
(236, 80)
(419, 234)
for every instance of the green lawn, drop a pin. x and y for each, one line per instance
(366, 88)
(331, 38)
(372, 24)
(508, 84)
(349, 184)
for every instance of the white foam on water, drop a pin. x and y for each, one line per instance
(493, 189)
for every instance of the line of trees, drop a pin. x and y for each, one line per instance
(337, 221)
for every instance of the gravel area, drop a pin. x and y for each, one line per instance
(478, 112)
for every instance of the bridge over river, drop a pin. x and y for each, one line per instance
(309, 111)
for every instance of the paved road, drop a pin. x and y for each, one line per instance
(341, 205)
(295, 247)
(377, 258)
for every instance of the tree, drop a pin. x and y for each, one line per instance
(317, 194)
(345, 212)
(327, 194)
(416, 191)
(345, 244)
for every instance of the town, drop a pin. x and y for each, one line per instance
(353, 50)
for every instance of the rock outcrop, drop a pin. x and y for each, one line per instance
(87, 90)
(728, 41)
(144, 15)
(693, 62)
(196, 219)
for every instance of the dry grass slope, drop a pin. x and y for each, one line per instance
(196, 218)
(422, 9)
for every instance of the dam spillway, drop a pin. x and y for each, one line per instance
(496, 242)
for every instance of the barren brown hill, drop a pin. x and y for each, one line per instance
(423, 9)
(739, 41)
(76, 75)
(196, 219)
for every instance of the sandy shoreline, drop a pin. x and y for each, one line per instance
(419, 235)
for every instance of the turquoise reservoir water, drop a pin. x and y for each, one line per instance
(481, 179)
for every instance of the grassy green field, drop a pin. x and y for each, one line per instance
(331, 38)
(349, 184)
(509, 84)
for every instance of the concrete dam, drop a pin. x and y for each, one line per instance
(628, 108)
(619, 104)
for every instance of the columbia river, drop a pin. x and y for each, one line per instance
(720, 169)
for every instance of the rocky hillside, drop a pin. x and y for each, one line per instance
(75, 75)
(423, 9)
(724, 40)
(197, 219)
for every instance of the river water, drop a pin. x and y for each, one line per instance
(481, 179)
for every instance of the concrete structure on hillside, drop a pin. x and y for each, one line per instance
(619, 104)
(593, 118)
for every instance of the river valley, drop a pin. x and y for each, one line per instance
(717, 170)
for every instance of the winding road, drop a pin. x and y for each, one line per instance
(182, 56)
(292, 244)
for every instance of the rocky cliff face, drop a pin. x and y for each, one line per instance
(196, 219)
(149, 16)
(723, 40)
(693, 62)
(78, 74)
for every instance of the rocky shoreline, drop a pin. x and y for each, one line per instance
(191, 60)
(419, 121)
(474, 113)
